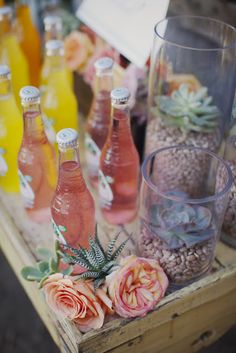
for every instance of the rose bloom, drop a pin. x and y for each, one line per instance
(77, 301)
(137, 286)
(78, 48)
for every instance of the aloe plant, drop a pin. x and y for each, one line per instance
(178, 224)
(49, 265)
(189, 110)
(97, 261)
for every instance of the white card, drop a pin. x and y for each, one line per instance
(127, 25)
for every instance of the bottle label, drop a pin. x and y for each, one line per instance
(49, 128)
(3, 163)
(104, 189)
(26, 190)
(58, 229)
(92, 154)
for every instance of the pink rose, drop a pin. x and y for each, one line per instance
(137, 286)
(78, 48)
(77, 301)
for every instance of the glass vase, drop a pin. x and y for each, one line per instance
(180, 228)
(191, 84)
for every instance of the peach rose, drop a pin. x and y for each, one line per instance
(78, 48)
(137, 286)
(77, 301)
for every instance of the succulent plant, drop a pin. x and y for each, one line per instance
(46, 267)
(179, 224)
(190, 110)
(96, 260)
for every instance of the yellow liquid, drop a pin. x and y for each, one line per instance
(13, 56)
(11, 131)
(45, 73)
(59, 103)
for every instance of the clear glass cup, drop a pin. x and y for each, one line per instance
(179, 227)
(192, 82)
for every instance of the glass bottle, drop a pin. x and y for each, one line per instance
(29, 39)
(52, 28)
(11, 53)
(99, 117)
(59, 103)
(72, 209)
(36, 159)
(119, 165)
(10, 133)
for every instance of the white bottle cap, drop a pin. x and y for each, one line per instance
(120, 95)
(4, 71)
(29, 94)
(5, 11)
(104, 64)
(67, 138)
(52, 21)
(54, 47)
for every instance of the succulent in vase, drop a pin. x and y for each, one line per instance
(179, 224)
(189, 110)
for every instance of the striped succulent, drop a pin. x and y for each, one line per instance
(190, 110)
(97, 261)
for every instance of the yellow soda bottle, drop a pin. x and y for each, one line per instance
(59, 103)
(11, 130)
(11, 53)
(52, 31)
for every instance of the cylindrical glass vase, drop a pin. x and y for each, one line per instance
(178, 228)
(191, 84)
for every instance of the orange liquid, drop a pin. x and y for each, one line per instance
(72, 208)
(29, 40)
(37, 170)
(119, 173)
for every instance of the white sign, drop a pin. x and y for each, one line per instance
(127, 25)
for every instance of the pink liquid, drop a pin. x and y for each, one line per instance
(120, 166)
(97, 128)
(37, 169)
(73, 206)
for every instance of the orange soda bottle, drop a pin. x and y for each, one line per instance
(98, 122)
(119, 165)
(29, 40)
(73, 210)
(36, 159)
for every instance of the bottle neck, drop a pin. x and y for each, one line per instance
(121, 121)
(5, 26)
(5, 88)
(52, 33)
(23, 11)
(33, 124)
(56, 62)
(103, 83)
(69, 155)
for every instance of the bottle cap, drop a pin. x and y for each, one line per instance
(4, 71)
(67, 138)
(29, 94)
(104, 64)
(54, 47)
(5, 11)
(120, 95)
(52, 21)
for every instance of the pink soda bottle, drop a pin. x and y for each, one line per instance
(72, 209)
(36, 159)
(119, 165)
(99, 117)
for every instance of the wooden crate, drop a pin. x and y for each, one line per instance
(184, 321)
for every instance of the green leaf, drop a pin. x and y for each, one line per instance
(119, 249)
(43, 266)
(31, 274)
(67, 271)
(111, 246)
(44, 253)
(53, 265)
(98, 282)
